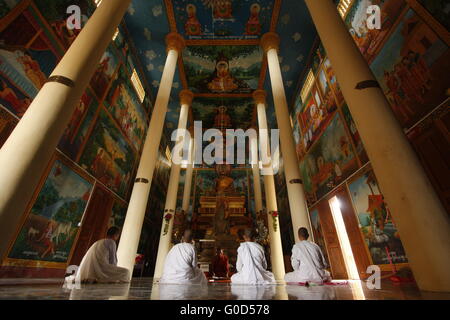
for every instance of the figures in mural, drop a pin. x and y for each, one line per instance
(64, 34)
(222, 9)
(19, 106)
(32, 69)
(253, 26)
(222, 119)
(100, 79)
(77, 116)
(222, 80)
(50, 228)
(376, 224)
(192, 26)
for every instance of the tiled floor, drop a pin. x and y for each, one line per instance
(144, 289)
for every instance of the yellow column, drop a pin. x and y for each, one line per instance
(276, 249)
(28, 150)
(131, 231)
(188, 178)
(297, 201)
(256, 176)
(422, 222)
(165, 238)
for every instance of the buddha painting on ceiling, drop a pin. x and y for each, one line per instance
(222, 80)
(222, 69)
(192, 26)
(253, 26)
(222, 9)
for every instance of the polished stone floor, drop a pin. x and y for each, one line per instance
(144, 289)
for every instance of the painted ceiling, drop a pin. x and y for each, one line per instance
(222, 38)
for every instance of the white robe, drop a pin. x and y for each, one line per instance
(99, 264)
(308, 264)
(251, 265)
(180, 266)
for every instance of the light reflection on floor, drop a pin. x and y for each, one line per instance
(144, 289)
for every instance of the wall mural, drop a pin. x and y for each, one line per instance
(375, 221)
(51, 226)
(119, 212)
(55, 13)
(239, 111)
(76, 132)
(356, 138)
(222, 69)
(329, 162)
(26, 60)
(108, 156)
(412, 69)
(369, 41)
(224, 19)
(104, 72)
(126, 109)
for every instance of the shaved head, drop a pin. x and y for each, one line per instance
(249, 234)
(187, 236)
(303, 233)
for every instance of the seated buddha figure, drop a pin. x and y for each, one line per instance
(223, 9)
(253, 26)
(192, 26)
(222, 80)
(222, 119)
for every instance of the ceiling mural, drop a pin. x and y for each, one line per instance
(222, 69)
(214, 63)
(222, 19)
(238, 110)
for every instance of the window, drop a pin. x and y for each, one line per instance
(138, 85)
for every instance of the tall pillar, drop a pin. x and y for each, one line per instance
(132, 227)
(165, 238)
(30, 146)
(256, 176)
(188, 177)
(422, 221)
(297, 201)
(276, 249)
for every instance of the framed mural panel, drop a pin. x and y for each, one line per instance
(329, 161)
(412, 69)
(123, 104)
(28, 55)
(108, 156)
(375, 220)
(222, 69)
(105, 71)
(370, 41)
(49, 231)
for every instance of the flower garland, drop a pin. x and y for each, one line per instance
(167, 219)
(274, 215)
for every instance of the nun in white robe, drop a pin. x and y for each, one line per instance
(100, 264)
(180, 266)
(251, 265)
(308, 263)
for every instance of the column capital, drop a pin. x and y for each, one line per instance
(260, 96)
(175, 41)
(186, 97)
(270, 40)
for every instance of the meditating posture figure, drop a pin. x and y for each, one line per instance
(180, 266)
(251, 263)
(220, 265)
(307, 261)
(100, 262)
